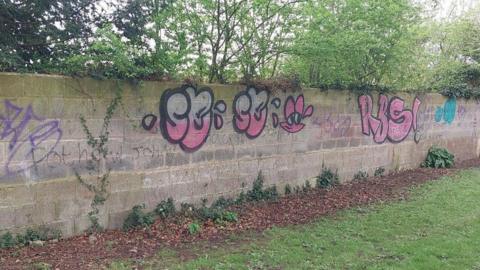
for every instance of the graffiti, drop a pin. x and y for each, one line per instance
(250, 110)
(393, 121)
(150, 122)
(337, 126)
(185, 116)
(295, 112)
(461, 111)
(276, 102)
(447, 112)
(26, 133)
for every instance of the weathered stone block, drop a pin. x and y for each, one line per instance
(176, 159)
(224, 154)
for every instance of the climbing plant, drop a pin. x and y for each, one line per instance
(97, 166)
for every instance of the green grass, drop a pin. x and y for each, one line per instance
(437, 228)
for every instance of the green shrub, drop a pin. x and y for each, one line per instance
(257, 193)
(165, 208)
(225, 217)
(194, 228)
(40, 233)
(31, 234)
(360, 176)
(242, 197)
(307, 186)
(7, 240)
(379, 171)
(438, 157)
(137, 218)
(327, 178)
(40, 266)
(288, 189)
(187, 209)
(206, 213)
(270, 193)
(222, 202)
(230, 216)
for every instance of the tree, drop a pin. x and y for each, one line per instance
(154, 27)
(352, 42)
(212, 40)
(455, 70)
(41, 33)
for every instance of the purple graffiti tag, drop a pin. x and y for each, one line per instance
(23, 143)
(336, 126)
(294, 113)
(393, 121)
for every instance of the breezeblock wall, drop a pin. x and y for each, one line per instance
(195, 142)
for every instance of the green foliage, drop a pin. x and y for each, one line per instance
(40, 233)
(229, 216)
(137, 218)
(307, 186)
(194, 228)
(288, 189)
(327, 178)
(379, 171)
(165, 208)
(109, 57)
(222, 202)
(40, 266)
(40, 34)
(242, 198)
(7, 240)
(226, 217)
(97, 162)
(459, 80)
(216, 212)
(360, 176)
(257, 193)
(209, 213)
(360, 45)
(187, 209)
(354, 44)
(455, 70)
(31, 234)
(438, 158)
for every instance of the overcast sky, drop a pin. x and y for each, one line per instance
(453, 8)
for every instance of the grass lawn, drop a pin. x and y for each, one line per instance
(438, 227)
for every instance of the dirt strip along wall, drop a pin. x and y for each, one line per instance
(191, 143)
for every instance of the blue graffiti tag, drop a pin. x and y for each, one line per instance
(447, 112)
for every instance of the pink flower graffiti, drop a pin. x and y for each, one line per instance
(294, 112)
(393, 121)
(250, 111)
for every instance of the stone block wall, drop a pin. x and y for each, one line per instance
(191, 143)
